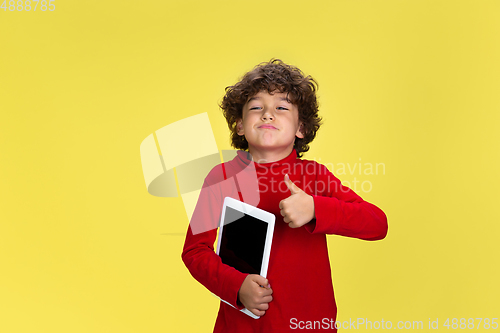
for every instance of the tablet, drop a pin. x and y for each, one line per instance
(245, 238)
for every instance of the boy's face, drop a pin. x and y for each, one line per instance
(270, 123)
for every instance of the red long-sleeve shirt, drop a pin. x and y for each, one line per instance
(299, 267)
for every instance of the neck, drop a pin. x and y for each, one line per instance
(269, 156)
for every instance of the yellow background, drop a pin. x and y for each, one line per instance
(411, 84)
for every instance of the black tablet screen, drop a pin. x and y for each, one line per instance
(242, 241)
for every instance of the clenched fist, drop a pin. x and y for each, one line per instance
(255, 294)
(298, 208)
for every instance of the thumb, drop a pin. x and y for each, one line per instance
(291, 186)
(260, 280)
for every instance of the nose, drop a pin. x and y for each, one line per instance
(267, 115)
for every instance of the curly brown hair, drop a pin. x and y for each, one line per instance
(271, 76)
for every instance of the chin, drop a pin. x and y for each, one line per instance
(272, 147)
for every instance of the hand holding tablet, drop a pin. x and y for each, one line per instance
(254, 296)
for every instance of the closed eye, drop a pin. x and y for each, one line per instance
(258, 108)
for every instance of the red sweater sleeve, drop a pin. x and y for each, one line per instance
(198, 254)
(340, 211)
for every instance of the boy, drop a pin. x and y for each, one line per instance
(273, 116)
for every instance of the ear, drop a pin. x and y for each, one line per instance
(300, 131)
(239, 127)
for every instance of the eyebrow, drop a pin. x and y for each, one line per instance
(281, 98)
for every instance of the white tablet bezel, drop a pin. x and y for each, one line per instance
(259, 214)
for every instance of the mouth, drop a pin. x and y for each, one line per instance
(267, 126)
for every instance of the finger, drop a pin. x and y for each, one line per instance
(281, 204)
(288, 183)
(262, 306)
(266, 292)
(294, 189)
(282, 212)
(257, 312)
(260, 280)
(267, 299)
